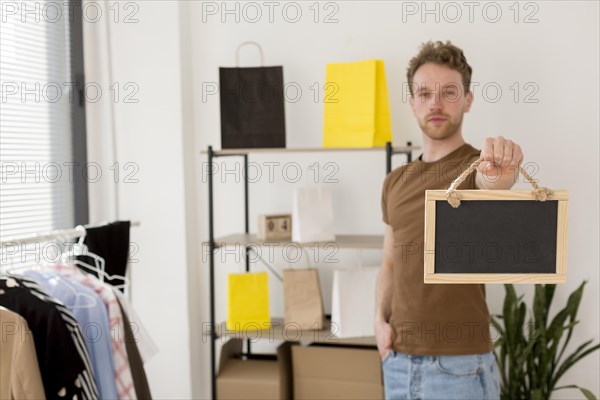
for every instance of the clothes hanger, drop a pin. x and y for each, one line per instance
(90, 301)
(82, 300)
(13, 269)
(81, 249)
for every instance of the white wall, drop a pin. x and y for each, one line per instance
(175, 51)
(557, 56)
(150, 136)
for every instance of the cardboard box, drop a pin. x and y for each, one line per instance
(262, 377)
(336, 372)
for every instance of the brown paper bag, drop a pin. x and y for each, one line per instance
(303, 299)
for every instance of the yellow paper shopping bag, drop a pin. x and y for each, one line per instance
(357, 110)
(248, 301)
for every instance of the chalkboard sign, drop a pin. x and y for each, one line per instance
(495, 236)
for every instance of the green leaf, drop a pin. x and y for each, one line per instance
(553, 337)
(498, 327)
(587, 393)
(508, 313)
(554, 350)
(529, 364)
(540, 349)
(540, 312)
(500, 365)
(549, 289)
(529, 356)
(556, 327)
(520, 323)
(536, 394)
(571, 312)
(574, 358)
(513, 344)
(573, 306)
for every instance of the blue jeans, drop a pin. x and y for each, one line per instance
(465, 377)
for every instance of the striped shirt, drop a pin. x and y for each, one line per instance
(85, 381)
(123, 377)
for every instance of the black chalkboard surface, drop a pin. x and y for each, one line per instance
(495, 236)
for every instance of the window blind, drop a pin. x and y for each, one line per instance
(37, 95)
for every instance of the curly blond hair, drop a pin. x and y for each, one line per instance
(442, 54)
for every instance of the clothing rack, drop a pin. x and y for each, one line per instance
(62, 234)
(109, 366)
(15, 245)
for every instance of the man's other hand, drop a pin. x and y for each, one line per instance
(383, 336)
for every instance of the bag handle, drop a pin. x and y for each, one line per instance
(540, 193)
(258, 46)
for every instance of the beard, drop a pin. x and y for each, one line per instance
(442, 131)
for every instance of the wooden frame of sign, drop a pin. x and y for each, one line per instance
(496, 236)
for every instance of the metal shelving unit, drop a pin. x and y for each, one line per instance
(248, 240)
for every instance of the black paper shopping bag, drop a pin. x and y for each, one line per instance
(252, 108)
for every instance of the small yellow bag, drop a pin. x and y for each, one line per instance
(357, 110)
(248, 302)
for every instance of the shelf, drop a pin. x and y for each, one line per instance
(341, 241)
(279, 331)
(229, 152)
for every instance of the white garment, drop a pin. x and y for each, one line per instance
(145, 344)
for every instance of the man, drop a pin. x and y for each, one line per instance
(434, 340)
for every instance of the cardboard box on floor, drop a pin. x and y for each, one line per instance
(336, 372)
(254, 378)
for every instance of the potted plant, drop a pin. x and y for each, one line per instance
(531, 355)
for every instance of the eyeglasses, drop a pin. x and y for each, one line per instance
(450, 93)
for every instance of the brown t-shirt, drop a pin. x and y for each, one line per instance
(430, 319)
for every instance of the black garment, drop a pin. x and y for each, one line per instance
(85, 381)
(111, 242)
(60, 363)
(136, 364)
